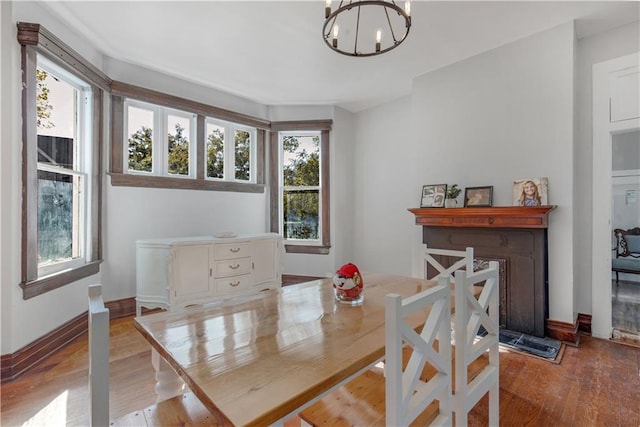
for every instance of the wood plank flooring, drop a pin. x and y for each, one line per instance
(597, 384)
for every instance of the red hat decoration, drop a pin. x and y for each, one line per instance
(348, 283)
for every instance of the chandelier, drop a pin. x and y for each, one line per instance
(366, 27)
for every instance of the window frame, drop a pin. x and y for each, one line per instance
(230, 130)
(119, 177)
(275, 181)
(36, 41)
(160, 141)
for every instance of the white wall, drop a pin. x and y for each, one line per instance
(589, 51)
(385, 167)
(7, 173)
(499, 116)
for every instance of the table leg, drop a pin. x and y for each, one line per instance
(168, 384)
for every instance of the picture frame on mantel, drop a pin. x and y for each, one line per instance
(433, 196)
(478, 197)
(530, 192)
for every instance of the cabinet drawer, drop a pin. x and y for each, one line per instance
(233, 284)
(233, 267)
(232, 250)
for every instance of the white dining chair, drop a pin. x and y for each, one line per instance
(471, 312)
(98, 358)
(461, 260)
(417, 388)
(407, 392)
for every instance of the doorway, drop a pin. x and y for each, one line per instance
(625, 208)
(616, 111)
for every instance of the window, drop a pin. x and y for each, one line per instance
(62, 130)
(300, 193)
(162, 141)
(64, 167)
(300, 186)
(229, 144)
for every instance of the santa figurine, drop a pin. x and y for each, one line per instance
(348, 285)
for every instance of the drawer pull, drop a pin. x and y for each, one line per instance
(234, 250)
(234, 267)
(234, 284)
(490, 220)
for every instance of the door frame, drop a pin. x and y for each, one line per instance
(603, 132)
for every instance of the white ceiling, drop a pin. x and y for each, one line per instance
(273, 52)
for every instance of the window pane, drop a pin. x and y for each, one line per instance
(301, 160)
(55, 105)
(55, 151)
(59, 205)
(301, 214)
(242, 143)
(215, 151)
(178, 144)
(58, 217)
(140, 136)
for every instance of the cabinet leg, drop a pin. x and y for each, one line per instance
(168, 383)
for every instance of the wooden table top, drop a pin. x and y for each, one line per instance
(257, 361)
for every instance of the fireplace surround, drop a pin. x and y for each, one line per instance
(516, 237)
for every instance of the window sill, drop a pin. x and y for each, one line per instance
(55, 281)
(307, 249)
(130, 180)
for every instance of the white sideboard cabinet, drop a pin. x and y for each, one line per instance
(176, 272)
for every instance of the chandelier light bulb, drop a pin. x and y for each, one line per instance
(407, 7)
(327, 8)
(335, 36)
(378, 39)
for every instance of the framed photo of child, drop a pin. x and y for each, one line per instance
(530, 192)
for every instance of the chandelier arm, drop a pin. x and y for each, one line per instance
(355, 45)
(333, 22)
(393, 36)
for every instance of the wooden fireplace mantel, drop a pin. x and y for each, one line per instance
(493, 217)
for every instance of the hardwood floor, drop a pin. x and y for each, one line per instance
(625, 310)
(596, 384)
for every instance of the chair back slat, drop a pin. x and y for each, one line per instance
(407, 394)
(471, 313)
(98, 358)
(464, 261)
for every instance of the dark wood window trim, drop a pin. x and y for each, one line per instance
(324, 126)
(120, 91)
(36, 40)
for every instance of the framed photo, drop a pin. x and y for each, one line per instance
(478, 196)
(530, 192)
(433, 196)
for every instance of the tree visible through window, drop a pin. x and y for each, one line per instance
(215, 151)
(301, 186)
(148, 153)
(243, 155)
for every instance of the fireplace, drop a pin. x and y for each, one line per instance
(516, 237)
